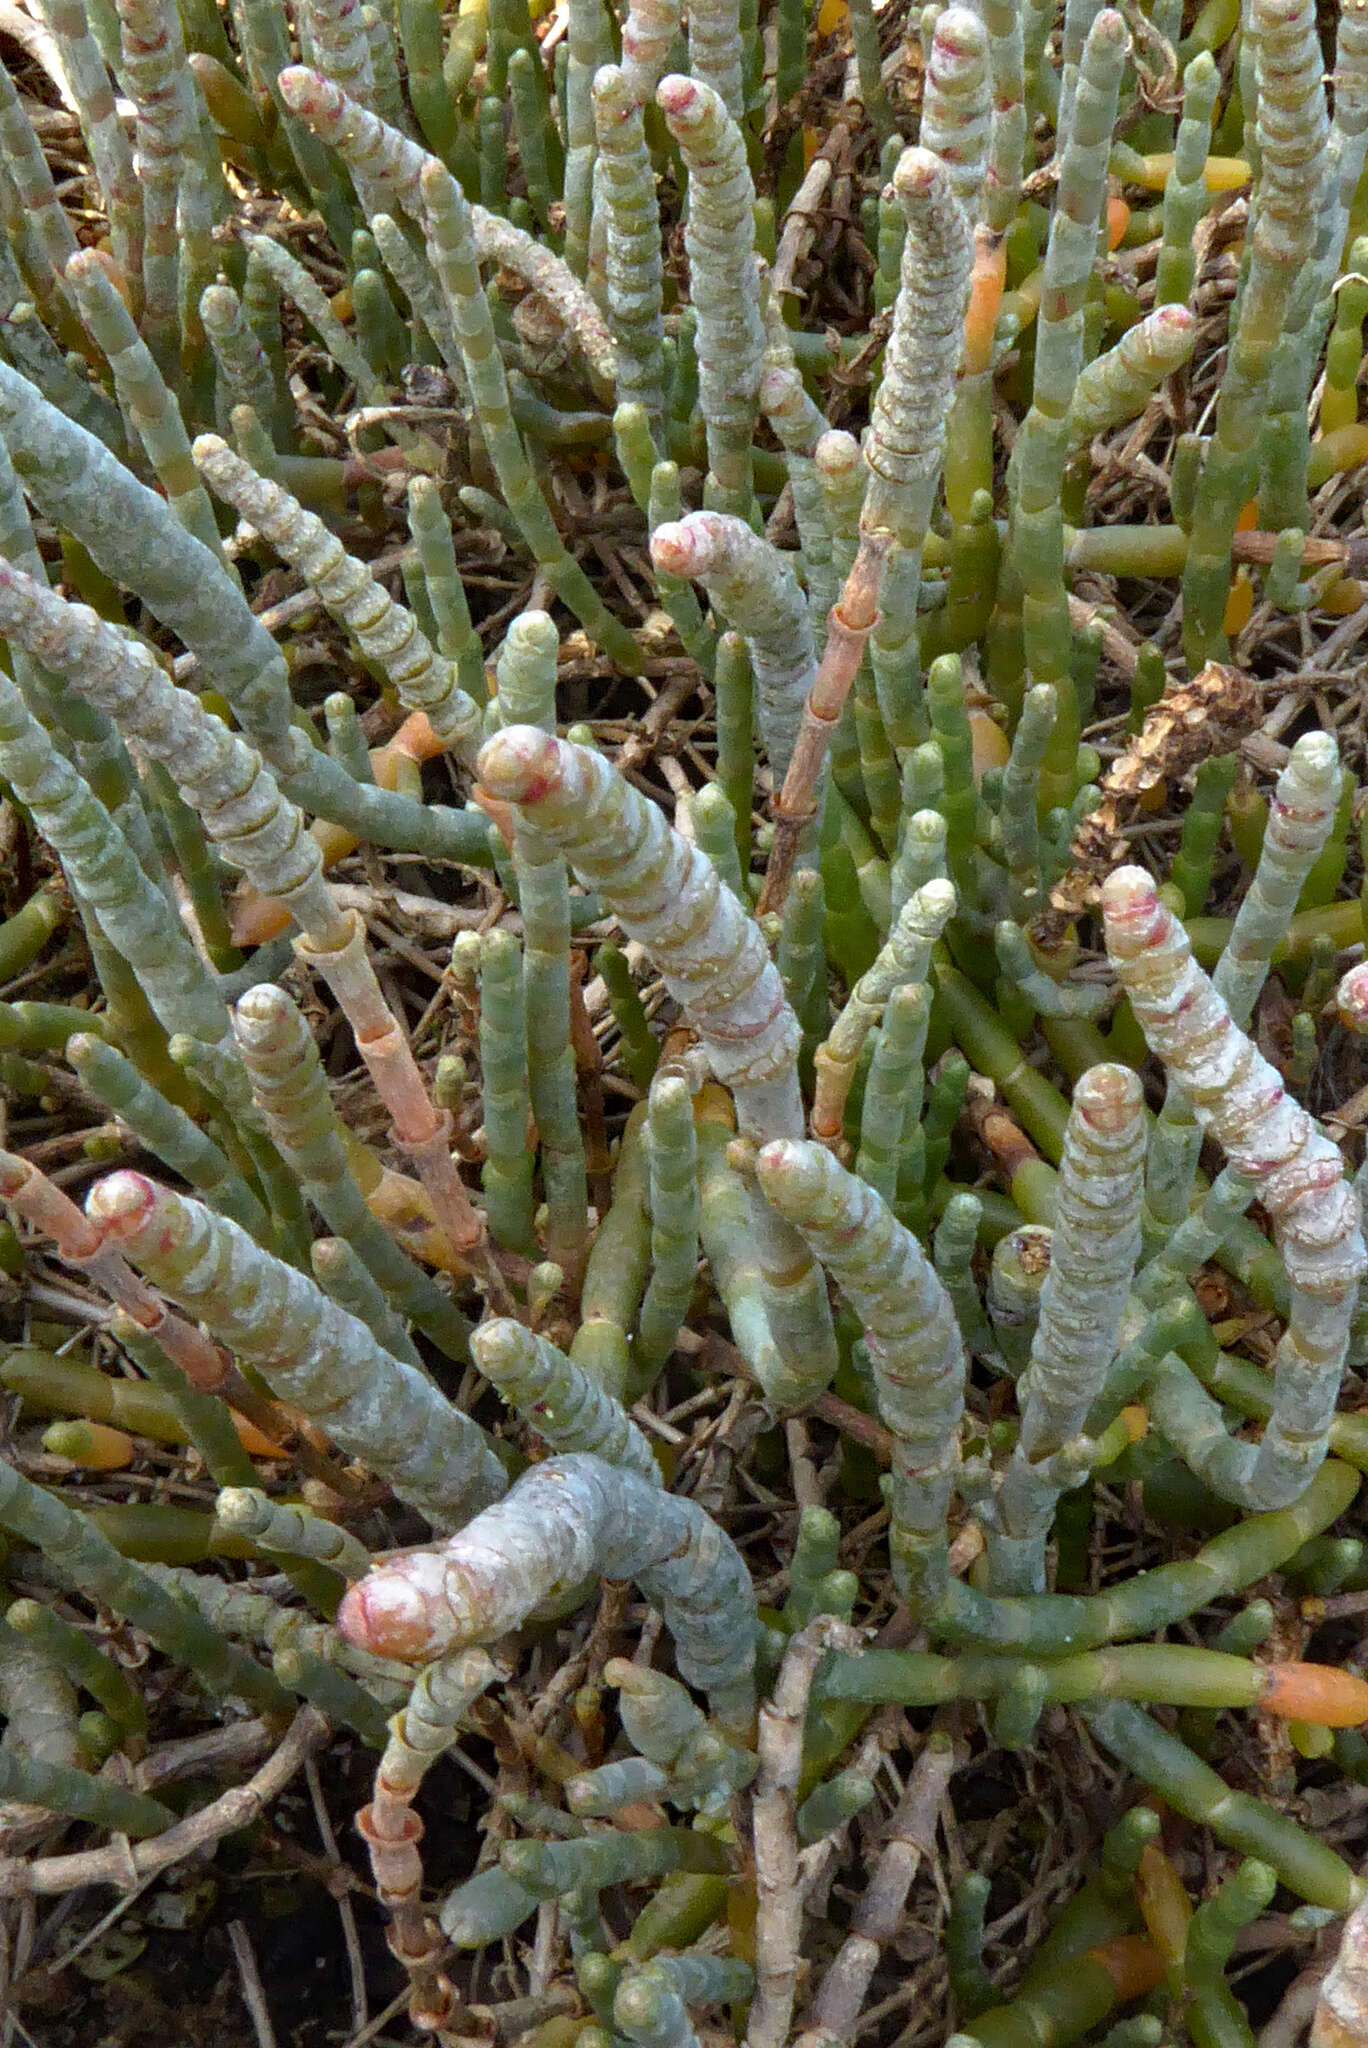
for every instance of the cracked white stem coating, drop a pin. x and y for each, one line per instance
(911, 1334)
(310, 1351)
(386, 632)
(905, 442)
(1237, 1096)
(1093, 1254)
(563, 1522)
(753, 584)
(666, 894)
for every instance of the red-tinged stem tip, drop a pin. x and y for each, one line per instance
(521, 764)
(121, 1203)
(387, 1616)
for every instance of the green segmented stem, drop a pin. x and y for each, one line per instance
(506, 1176)
(649, 2006)
(1048, 997)
(671, 1154)
(904, 447)
(921, 849)
(564, 1521)
(1290, 142)
(724, 283)
(291, 1091)
(167, 1131)
(84, 1665)
(752, 583)
(338, 1268)
(527, 696)
(1237, 1097)
(1194, 862)
(1118, 384)
(238, 1611)
(801, 956)
(333, 1693)
(456, 637)
(243, 370)
(893, 1087)
(74, 1793)
(1215, 2018)
(178, 172)
(624, 188)
(714, 829)
(110, 155)
(103, 869)
(911, 1335)
(714, 960)
(1093, 1255)
(90, 1564)
(616, 1272)
(1036, 536)
(904, 959)
(1173, 1674)
(569, 1411)
(143, 395)
(278, 1525)
(50, 230)
(1301, 816)
(1185, 193)
(1048, 1624)
(309, 1350)
(1308, 1867)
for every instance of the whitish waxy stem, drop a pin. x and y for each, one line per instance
(957, 104)
(309, 1350)
(277, 1525)
(565, 1521)
(905, 958)
(625, 190)
(1118, 385)
(715, 54)
(905, 444)
(724, 283)
(647, 34)
(218, 774)
(386, 633)
(1300, 817)
(393, 168)
(260, 830)
(1237, 1096)
(665, 894)
(568, 1411)
(754, 586)
(1093, 1254)
(911, 1335)
(716, 965)
(649, 2007)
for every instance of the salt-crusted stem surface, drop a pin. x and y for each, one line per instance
(309, 1350)
(567, 1520)
(1239, 1098)
(715, 963)
(914, 1345)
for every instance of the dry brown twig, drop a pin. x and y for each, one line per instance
(125, 1863)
